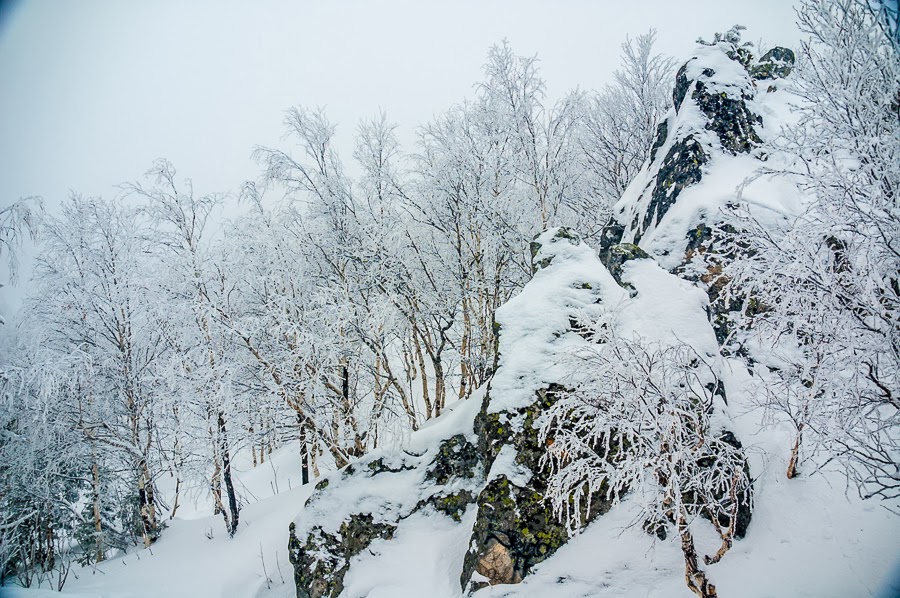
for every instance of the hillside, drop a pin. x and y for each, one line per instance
(807, 536)
(694, 398)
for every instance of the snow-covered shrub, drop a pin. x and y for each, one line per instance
(639, 421)
(824, 291)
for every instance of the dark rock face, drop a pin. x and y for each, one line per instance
(777, 63)
(681, 87)
(322, 562)
(611, 235)
(710, 248)
(681, 168)
(452, 505)
(662, 133)
(616, 256)
(456, 458)
(704, 265)
(744, 499)
(729, 119)
(727, 116)
(515, 529)
(518, 520)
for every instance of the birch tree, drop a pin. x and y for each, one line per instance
(824, 290)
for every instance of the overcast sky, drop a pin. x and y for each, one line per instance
(91, 92)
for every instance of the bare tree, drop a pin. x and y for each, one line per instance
(824, 290)
(638, 422)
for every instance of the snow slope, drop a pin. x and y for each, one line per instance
(809, 537)
(186, 562)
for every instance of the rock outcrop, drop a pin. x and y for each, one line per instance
(712, 96)
(485, 471)
(716, 117)
(368, 500)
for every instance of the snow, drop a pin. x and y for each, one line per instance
(610, 558)
(505, 465)
(186, 562)
(809, 537)
(423, 559)
(728, 77)
(666, 309)
(534, 323)
(390, 495)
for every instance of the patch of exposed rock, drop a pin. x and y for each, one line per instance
(717, 86)
(444, 479)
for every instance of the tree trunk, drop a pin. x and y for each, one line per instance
(215, 485)
(439, 389)
(226, 473)
(421, 359)
(147, 504)
(98, 524)
(177, 497)
(314, 454)
(252, 445)
(693, 574)
(795, 454)
(304, 459)
(464, 351)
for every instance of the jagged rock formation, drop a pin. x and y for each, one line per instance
(514, 528)
(485, 472)
(715, 117)
(712, 115)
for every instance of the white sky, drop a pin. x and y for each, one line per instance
(91, 92)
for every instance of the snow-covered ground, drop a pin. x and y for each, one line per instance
(194, 557)
(809, 537)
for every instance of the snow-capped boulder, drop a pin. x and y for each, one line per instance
(777, 63)
(515, 527)
(678, 209)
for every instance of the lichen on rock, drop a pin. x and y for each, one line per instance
(515, 527)
(456, 458)
(777, 63)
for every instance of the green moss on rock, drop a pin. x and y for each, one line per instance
(456, 458)
(515, 527)
(321, 563)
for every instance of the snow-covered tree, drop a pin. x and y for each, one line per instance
(16, 221)
(825, 290)
(93, 297)
(637, 423)
(195, 290)
(620, 125)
